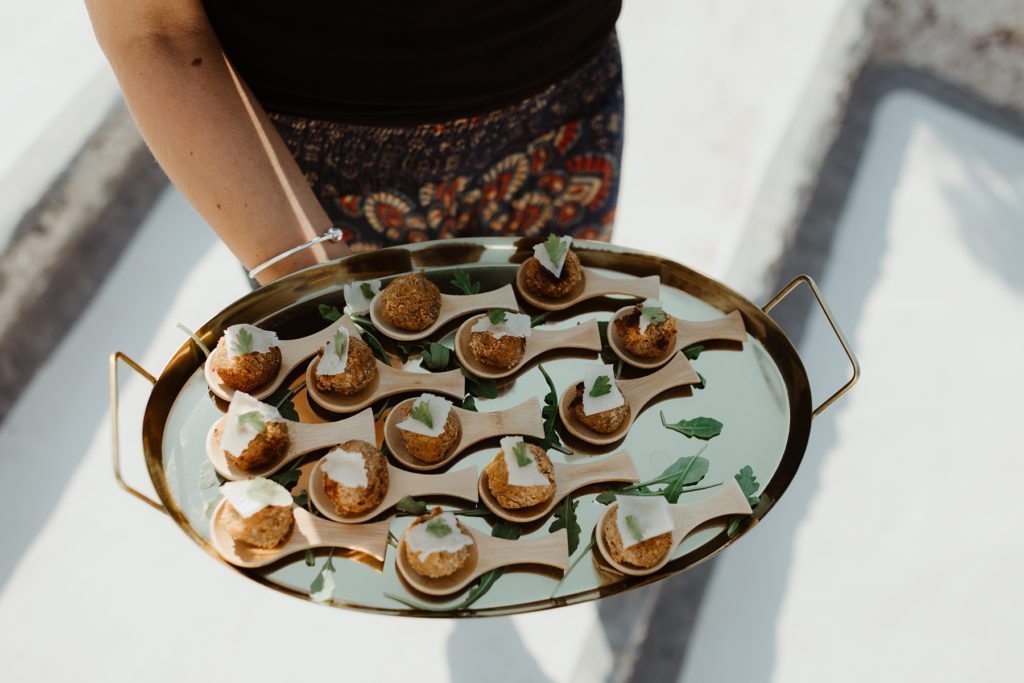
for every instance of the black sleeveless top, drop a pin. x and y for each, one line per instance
(404, 62)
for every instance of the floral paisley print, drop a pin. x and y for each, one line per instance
(547, 164)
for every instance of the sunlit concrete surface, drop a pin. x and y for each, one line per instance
(896, 553)
(56, 89)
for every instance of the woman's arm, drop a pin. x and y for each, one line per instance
(208, 132)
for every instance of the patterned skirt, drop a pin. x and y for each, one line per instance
(547, 164)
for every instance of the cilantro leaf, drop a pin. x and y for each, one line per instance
(634, 528)
(565, 518)
(253, 419)
(704, 428)
(602, 385)
(519, 451)
(555, 247)
(366, 289)
(329, 313)
(464, 283)
(654, 314)
(243, 342)
(438, 527)
(496, 316)
(340, 342)
(421, 413)
(693, 352)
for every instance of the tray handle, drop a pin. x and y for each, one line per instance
(116, 442)
(806, 279)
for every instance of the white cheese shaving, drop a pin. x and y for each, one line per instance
(599, 404)
(262, 340)
(331, 363)
(514, 325)
(424, 543)
(541, 252)
(439, 408)
(236, 435)
(651, 514)
(645, 322)
(355, 300)
(252, 495)
(525, 475)
(348, 468)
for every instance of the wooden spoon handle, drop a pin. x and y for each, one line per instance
(617, 468)
(677, 372)
(585, 336)
(309, 437)
(371, 539)
(502, 297)
(460, 484)
(521, 420)
(729, 328)
(392, 381)
(551, 550)
(639, 287)
(729, 501)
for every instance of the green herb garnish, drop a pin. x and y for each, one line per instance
(698, 428)
(634, 528)
(550, 414)
(519, 451)
(693, 352)
(539, 318)
(556, 248)
(199, 342)
(469, 403)
(323, 585)
(253, 419)
(329, 313)
(703, 382)
(748, 484)
(282, 400)
(654, 314)
(602, 385)
(367, 331)
(243, 342)
(683, 473)
(438, 527)
(464, 283)
(340, 342)
(496, 316)
(367, 290)
(410, 506)
(565, 518)
(287, 478)
(421, 413)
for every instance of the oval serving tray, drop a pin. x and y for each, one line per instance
(760, 394)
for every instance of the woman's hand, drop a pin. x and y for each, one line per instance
(208, 132)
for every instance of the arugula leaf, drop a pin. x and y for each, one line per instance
(519, 451)
(555, 247)
(684, 472)
(421, 412)
(322, 588)
(506, 530)
(496, 316)
(634, 528)
(748, 483)
(367, 290)
(602, 385)
(310, 558)
(438, 527)
(704, 428)
(654, 314)
(366, 331)
(199, 342)
(693, 352)
(282, 400)
(687, 474)
(464, 283)
(606, 497)
(703, 382)
(329, 313)
(410, 506)
(607, 354)
(302, 500)
(435, 357)
(483, 388)
(565, 518)
(287, 478)
(243, 342)
(469, 403)
(550, 414)
(586, 549)
(253, 419)
(538, 319)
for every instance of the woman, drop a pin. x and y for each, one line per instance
(395, 120)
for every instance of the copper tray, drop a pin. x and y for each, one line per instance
(761, 394)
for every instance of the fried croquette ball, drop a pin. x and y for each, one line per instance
(357, 500)
(264, 529)
(266, 447)
(438, 564)
(428, 448)
(504, 353)
(513, 497)
(411, 302)
(539, 279)
(247, 371)
(644, 554)
(360, 370)
(656, 340)
(605, 422)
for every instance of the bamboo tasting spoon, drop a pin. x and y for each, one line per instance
(637, 394)
(487, 553)
(618, 468)
(524, 419)
(308, 532)
(728, 328)
(458, 484)
(302, 438)
(293, 353)
(388, 382)
(452, 306)
(685, 518)
(594, 284)
(584, 336)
